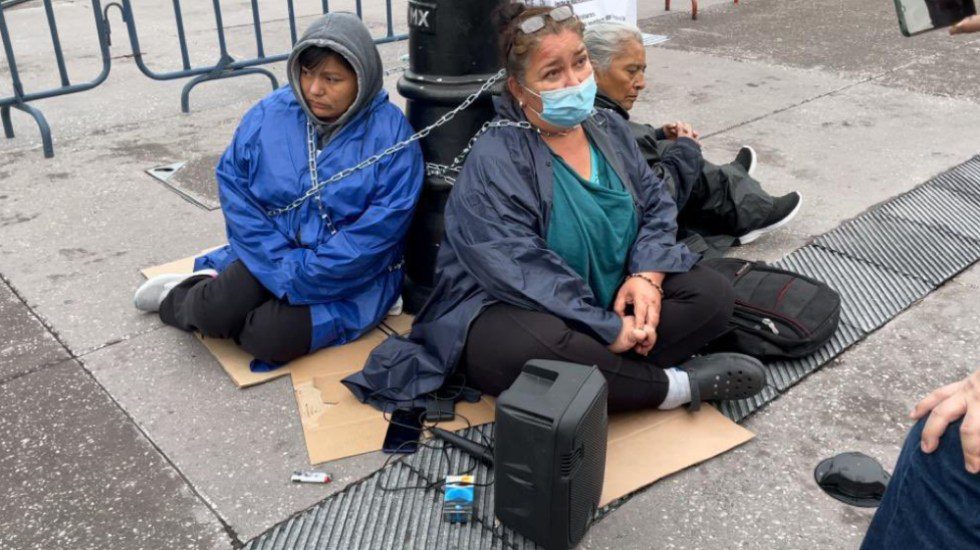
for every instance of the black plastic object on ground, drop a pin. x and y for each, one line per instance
(452, 52)
(853, 478)
(550, 452)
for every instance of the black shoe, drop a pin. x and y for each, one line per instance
(784, 209)
(723, 376)
(746, 158)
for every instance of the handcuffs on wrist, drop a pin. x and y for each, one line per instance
(649, 280)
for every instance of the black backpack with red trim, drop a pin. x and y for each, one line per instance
(778, 314)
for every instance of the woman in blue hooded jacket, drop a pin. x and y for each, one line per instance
(560, 244)
(305, 268)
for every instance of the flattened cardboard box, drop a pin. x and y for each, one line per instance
(643, 446)
(335, 424)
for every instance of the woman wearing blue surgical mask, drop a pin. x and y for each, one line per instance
(560, 245)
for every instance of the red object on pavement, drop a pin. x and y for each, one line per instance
(694, 7)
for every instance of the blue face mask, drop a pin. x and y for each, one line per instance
(567, 107)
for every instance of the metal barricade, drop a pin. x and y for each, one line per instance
(21, 98)
(226, 66)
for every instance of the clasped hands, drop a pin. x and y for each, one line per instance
(678, 129)
(639, 332)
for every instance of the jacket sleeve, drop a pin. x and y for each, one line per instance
(656, 247)
(492, 225)
(252, 235)
(362, 250)
(356, 254)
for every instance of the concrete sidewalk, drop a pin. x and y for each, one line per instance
(116, 432)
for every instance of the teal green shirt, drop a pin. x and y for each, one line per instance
(593, 225)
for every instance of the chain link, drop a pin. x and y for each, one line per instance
(450, 172)
(316, 187)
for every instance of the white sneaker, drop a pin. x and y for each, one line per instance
(150, 294)
(784, 209)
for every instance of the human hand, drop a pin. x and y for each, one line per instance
(970, 24)
(946, 405)
(676, 130)
(644, 346)
(646, 299)
(629, 336)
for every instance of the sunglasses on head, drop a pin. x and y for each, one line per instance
(535, 23)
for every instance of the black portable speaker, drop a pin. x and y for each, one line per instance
(550, 452)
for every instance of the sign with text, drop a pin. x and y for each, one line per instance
(590, 11)
(422, 16)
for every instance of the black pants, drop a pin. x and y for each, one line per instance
(696, 309)
(716, 203)
(236, 305)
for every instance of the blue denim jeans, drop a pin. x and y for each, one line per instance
(931, 501)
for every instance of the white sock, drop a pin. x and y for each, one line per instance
(678, 389)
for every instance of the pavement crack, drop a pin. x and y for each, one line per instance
(44, 323)
(229, 530)
(37, 368)
(120, 340)
(236, 541)
(57, 337)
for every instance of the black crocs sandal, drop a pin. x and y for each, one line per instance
(723, 376)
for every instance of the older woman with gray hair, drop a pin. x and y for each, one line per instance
(719, 205)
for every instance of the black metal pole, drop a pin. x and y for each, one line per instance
(452, 52)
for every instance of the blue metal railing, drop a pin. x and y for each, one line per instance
(225, 67)
(20, 99)
(12, 3)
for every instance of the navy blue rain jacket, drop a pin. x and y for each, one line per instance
(495, 250)
(350, 277)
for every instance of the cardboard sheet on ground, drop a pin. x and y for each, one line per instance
(237, 363)
(644, 446)
(335, 424)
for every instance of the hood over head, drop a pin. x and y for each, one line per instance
(345, 34)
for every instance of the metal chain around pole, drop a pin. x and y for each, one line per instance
(373, 159)
(450, 172)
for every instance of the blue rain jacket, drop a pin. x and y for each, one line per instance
(495, 250)
(350, 278)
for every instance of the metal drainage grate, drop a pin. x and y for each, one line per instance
(873, 261)
(922, 251)
(193, 180)
(788, 373)
(939, 207)
(870, 294)
(964, 178)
